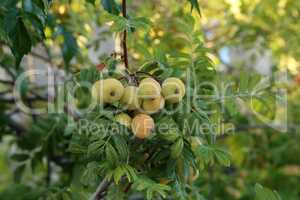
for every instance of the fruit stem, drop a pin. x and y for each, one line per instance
(124, 40)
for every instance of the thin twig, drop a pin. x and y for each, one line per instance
(127, 188)
(8, 82)
(41, 57)
(49, 169)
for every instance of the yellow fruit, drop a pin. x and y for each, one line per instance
(107, 91)
(151, 106)
(130, 98)
(142, 125)
(123, 119)
(173, 89)
(149, 89)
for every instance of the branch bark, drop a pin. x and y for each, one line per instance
(124, 40)
(101, 190)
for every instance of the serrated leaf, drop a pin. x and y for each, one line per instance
(96, 147)
(89, 176)
(152, 188)
(205, 153)
(121, 147)
(222, 157)
(111, 154)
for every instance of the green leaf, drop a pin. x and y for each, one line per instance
(18, 172)
(195, 4)
(111, 6)
(90, 174)
(263, 193)
(205, 153)
(152, 188)
(124, 171)
(91, 1)
(18, 35)
(176, 148)
(69, 47)
(121, 146)
(20, 157)
(96, 147)
(171, 131)
(140, 22)
(222, 157)
(210, 154)
(111, 154)
(77, 148)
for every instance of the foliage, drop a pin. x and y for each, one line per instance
(62, 155)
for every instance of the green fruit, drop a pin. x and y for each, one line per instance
(142, 126)
(130, 98)
(107, 91)
(149, 89)
(173, 89)
(123, 119)
(151, 106)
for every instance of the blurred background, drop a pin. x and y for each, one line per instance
(247, 40)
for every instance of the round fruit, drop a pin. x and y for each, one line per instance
(123, 119)
(173, 89)
(130, 98)
(107, 91)
(151, 106)
(149, 89)
(142, 125)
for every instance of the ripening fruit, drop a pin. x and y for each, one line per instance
(107, 91)
(123, 119)
(151, 106)
(173, 89)
(142, 125)
(130, 98)
(149, 89)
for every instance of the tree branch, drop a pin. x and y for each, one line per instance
(101, 190)
(124, 40)
(7, 82)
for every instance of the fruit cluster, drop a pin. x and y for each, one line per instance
(147, 98)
